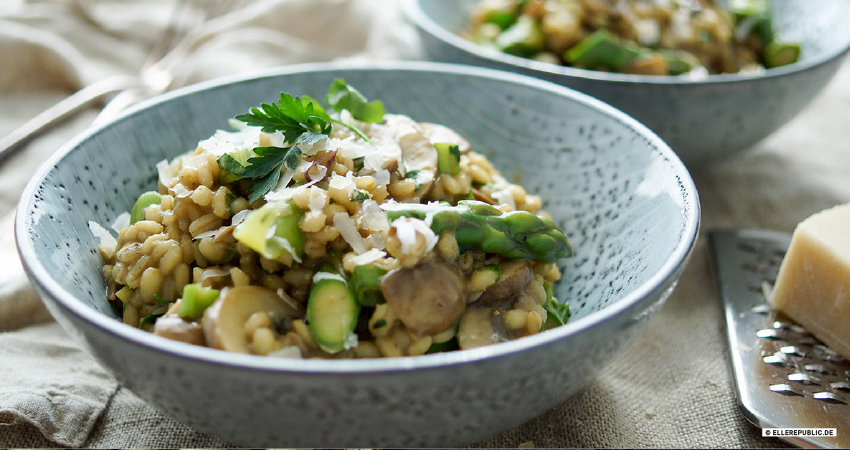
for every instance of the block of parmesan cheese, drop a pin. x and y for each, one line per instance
(813, 284)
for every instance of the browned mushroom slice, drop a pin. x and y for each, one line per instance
(427, 297)
(514, 278)
(224, 321)
(173, 327)
(479, 327)
(482, 197)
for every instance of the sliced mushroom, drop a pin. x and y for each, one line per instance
(482, 197)
(224, 321)
(437, 133)
(479, 327)
(427, 297)
(173, 327)
(514, 278)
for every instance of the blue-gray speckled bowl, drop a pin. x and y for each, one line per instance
(701, 120)
(624, 198)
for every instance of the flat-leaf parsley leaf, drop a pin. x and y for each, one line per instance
(265, 168)
(291, 116)
(342, 96)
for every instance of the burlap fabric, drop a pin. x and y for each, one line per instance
(671, 388)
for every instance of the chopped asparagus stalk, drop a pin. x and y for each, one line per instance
(601, 50)
(678, 62)
(524, 38)
(124, 293)
(274, 232)
(233, 164)
(196, 299)
(144, 200)
(503, 17)
(332, 313)
(478, 225)
(779, 54)
(448, 158)
(752, 17)
(366, 284)
(744, 8)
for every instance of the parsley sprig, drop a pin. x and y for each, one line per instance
(293, 116)
(303, 121)
(342, 96)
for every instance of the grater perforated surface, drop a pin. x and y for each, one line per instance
(784, 376)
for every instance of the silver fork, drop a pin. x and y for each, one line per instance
(180, 37)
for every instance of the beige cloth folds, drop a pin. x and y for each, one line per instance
(671, 388)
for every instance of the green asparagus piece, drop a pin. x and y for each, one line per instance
(448, 158)
(753, 15)
(503, 18)
(147, 199)
(284, 243)
(524, 38)
(779, 54)
(601, 50)
(366, 284)
(481, 226)
(332, 313)
(196, 299)
(678, 62)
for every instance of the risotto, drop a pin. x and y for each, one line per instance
(645, 37)
(346, 233)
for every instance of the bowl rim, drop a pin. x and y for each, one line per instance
(655, 285)
(414, 13)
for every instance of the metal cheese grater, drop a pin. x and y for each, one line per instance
(785, 377)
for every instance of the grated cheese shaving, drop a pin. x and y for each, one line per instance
(239, 217)
(214, 272)
(209, 233)
(505, 198)
(350, 342)
(121, 222)
(406, 230)
(369, 257)
(167, 173)
(318, 199)
(349, 232)
(180, 191)
(288, 300)
(108, 243)
(319, 276)
(287, 352)
(373, 218)
(382, 177)
(377, 240)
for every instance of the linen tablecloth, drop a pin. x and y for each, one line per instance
(671, 388)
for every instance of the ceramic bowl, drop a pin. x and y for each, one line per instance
(625, 200)
(702, 120)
